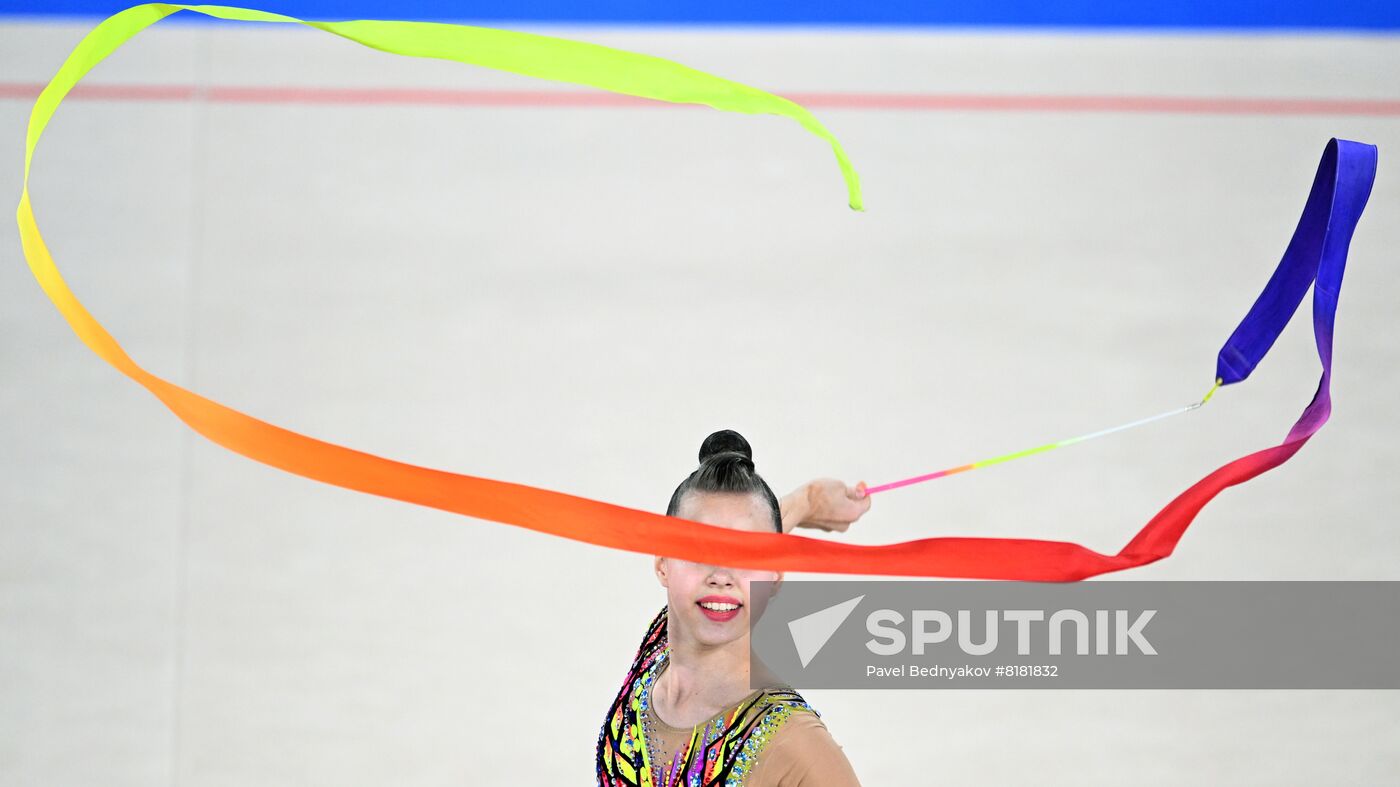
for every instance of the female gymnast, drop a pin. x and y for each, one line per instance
(686, 714)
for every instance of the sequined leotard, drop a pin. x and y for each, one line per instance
(719, 754)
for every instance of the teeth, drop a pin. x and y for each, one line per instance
(717, 607)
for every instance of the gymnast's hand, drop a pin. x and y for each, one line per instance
(824, 504)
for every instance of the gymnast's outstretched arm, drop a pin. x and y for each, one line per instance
(824, 504)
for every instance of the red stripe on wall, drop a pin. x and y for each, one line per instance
(915, 102)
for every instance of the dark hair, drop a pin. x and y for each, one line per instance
(726, 465)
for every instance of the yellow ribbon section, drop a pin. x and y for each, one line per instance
(543, 510)
(543, 57)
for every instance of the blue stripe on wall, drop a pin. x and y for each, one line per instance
(1187, 14)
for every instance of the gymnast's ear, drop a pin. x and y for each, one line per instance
(662, 569)
(774, 587)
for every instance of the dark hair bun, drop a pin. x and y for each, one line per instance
(726, 467)
(725, 441)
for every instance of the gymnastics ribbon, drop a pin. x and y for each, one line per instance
(1317, 253)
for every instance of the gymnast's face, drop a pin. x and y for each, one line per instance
(710, 605)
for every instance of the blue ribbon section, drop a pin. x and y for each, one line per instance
(1316, 256)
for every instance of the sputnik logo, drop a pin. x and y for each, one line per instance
(810, 633)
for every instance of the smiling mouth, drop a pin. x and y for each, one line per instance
(719, 610)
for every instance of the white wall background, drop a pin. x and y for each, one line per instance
(573, 298)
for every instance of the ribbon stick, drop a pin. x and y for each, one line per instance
(1318, 252)
(1040, 449)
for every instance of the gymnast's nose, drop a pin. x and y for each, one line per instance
(721, 576)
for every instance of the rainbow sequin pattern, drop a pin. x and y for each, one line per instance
(717, 755)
